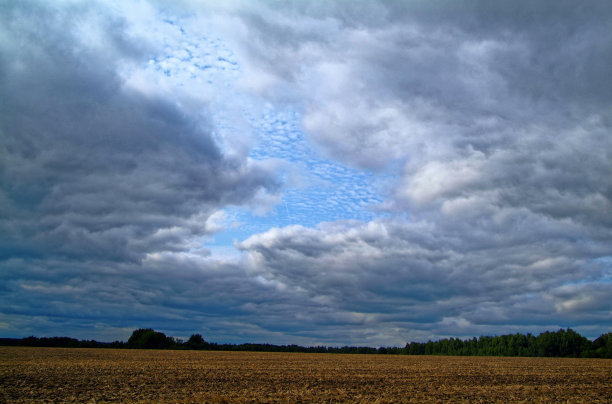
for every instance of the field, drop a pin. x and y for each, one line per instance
(100, 375)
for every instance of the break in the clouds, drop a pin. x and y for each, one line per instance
(372, 172)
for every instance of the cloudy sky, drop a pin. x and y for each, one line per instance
(336, 173)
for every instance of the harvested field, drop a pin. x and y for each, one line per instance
(100, 375)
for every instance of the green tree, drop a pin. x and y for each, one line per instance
(603, 346)
(196, 342)
(147, 338)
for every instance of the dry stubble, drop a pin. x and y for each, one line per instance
(88, 375)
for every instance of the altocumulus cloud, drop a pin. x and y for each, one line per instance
(492, 119)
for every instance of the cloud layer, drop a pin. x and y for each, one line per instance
(487, 126)
(99, 178)
(92, 167)
(499, 118)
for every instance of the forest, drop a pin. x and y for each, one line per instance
(562, 343)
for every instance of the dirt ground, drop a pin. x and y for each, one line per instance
(103, 375)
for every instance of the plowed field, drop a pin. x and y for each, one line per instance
(101, 375)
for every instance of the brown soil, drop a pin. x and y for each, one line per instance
(101, 375)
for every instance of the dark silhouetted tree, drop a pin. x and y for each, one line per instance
(147, 338)
(602, 346)
(195, 342)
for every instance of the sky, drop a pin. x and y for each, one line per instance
(313, 173)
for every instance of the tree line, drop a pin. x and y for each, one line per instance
(562, 343)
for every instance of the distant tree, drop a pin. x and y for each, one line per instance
(117, 344)
(562, 343)
(196, 341)
(147, 338)
(602, 346)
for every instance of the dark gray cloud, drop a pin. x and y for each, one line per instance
(179, 294)
(443, 280)
(99, 180)
(492, 119)
(92, 169)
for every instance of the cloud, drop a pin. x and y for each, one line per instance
(91, 167)
(420, 274)
(469, 100)
(107, 190)
(490, 121)
(498, 116)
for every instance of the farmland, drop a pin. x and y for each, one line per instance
(100, 375)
